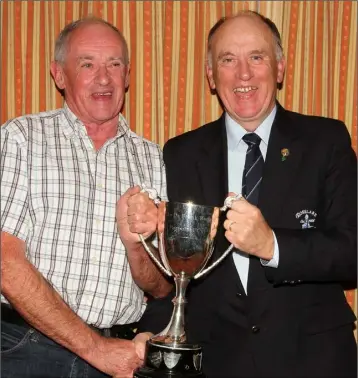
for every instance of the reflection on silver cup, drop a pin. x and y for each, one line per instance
(185, 247)
(187, 242)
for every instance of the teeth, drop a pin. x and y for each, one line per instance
(103, 94)
(244, 89)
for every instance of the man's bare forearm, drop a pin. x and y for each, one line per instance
(40, 305)
(145, 272)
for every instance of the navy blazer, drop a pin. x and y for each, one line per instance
(300, 323)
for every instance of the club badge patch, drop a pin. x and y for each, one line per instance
(307, 218)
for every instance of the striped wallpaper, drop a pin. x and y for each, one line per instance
(168, 92)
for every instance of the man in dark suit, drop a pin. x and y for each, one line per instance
(276, 306)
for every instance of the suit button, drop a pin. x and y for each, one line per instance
(255, 329)
(238, 294)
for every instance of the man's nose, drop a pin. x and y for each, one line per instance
(103, 77)
(244, 71)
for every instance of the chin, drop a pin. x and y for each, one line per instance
(247, 117)
(101, 116)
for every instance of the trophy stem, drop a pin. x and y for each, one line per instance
(175, 332)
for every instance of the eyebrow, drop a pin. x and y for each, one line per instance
(224, 54)
(262, 52)
(90, 57)
(229, 53)
(85, 57)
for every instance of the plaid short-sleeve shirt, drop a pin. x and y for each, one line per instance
(59, 195)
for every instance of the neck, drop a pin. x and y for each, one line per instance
(99, 134)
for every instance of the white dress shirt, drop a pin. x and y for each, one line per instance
(236, 161)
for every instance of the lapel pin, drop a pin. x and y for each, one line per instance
(284, 153)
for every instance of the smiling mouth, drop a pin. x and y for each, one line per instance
(102, 94)
(245, 89)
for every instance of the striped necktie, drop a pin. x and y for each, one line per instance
(253, 169)
(251, 180)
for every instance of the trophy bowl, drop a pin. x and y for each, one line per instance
(187, 242)
(185, 247)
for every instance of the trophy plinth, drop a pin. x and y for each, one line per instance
(163, 361)
(185, 247)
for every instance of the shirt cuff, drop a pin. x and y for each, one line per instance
(273, 263)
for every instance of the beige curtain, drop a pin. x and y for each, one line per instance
(169, 93)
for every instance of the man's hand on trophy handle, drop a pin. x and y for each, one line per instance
(135, 213)
(152, 193)
(229, 200)
(160, 222)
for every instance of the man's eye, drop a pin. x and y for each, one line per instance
(116, 64)
(256, 58)
(87, 65)
(227, 60)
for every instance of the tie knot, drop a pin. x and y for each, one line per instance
(251, 139)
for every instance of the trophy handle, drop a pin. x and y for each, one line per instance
(155, 259)
(227, 205)
(153, 195)
(206, 270)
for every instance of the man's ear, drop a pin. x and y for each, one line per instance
(209, 75)
(58, 75)
(126, 80)
(281, 66)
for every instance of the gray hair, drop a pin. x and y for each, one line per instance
(271, 25)
(63, 37)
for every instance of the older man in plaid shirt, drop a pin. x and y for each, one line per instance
(71, 281)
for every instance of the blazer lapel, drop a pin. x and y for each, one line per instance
(212, 168)
(212, 165)
(279, 170)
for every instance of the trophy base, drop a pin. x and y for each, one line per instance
(144, 372)
(162, 361)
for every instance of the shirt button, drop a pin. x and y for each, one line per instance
(255, 329)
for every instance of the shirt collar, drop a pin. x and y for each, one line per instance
(76, 126)
(235, 131)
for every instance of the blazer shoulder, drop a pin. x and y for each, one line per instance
(194, 138)
(324, 128)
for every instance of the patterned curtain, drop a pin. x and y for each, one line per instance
(168, 93)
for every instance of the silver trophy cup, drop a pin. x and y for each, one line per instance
(185, 247)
